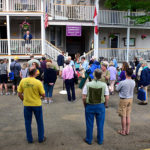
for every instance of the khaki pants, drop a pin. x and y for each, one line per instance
(125, 107)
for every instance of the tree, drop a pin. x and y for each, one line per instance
(132, 5)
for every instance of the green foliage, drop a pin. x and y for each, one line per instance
(133, 5)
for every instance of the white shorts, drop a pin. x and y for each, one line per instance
(61, 68)
(27, 46)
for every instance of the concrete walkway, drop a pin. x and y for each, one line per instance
(65, 125)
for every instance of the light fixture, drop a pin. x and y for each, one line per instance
(5, 23)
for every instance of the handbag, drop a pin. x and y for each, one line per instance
(141, 94)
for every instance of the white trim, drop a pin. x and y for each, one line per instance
(20, 14)
(64, 23)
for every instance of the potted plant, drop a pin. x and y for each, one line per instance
(143, 36)
(112, 36)
(25, 25)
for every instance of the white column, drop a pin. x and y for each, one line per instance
(128, 43)
(8, 33)
(96, 36)
(43, 34)
(128, 37)
(42, 5)
(8, 38)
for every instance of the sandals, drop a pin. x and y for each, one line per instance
(121, 132)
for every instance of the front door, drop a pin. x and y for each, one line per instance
(3, 32)
(114, 42)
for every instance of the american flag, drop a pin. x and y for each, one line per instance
(46, 18)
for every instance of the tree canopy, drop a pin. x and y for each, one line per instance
(133, 5)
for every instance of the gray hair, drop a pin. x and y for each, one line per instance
(97, 74)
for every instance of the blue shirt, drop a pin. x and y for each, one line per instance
(85, 65)
(71, 63)
(115, 63)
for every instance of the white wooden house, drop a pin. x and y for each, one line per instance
(118, 36)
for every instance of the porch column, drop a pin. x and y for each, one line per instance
(8, 37)
(42, 6)
(128, 43)
(96, 36)
(43, 34)
(8, 34)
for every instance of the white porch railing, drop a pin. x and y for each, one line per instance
(120, 53)
(25, 5)
(112, 17)
(3, 46)
(71, 12)
(18, 46)
(52, 51)
(2, 5)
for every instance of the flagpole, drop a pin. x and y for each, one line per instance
(96, 35)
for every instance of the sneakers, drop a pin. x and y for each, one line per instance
(7, 93)
(14, 93)
(46, 102)
(1, 94)
(50, 101)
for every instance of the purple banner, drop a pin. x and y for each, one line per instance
(73, 31)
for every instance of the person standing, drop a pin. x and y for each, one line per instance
(30, 91)
(95, 97)
(144, 80)
(105, 74)
(24, 71)
(122, 76)
(60, 62)
(28, 38)
(126, 91)
(15, 67)
(84, 64)
(43, 64)
(32, 60)
(71, 61)
(4, 77)
(68, 77)
(113, 75)
(50, 77)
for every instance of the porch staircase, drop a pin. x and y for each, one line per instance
(51, 51)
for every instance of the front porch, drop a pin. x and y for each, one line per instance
(17, 47)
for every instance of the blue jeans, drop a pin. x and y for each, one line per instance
(69, 83)
(97, 111)
(37, 110)
(48, 90)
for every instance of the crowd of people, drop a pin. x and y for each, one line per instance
(97, 79)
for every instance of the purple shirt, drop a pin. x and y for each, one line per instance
(68, 73)
(113, 72)
(122, 76)
(43, 65)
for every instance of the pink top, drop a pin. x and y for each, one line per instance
(67, 73)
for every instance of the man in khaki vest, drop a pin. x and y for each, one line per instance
(95, 98)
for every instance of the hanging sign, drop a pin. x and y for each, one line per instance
(73, 31)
